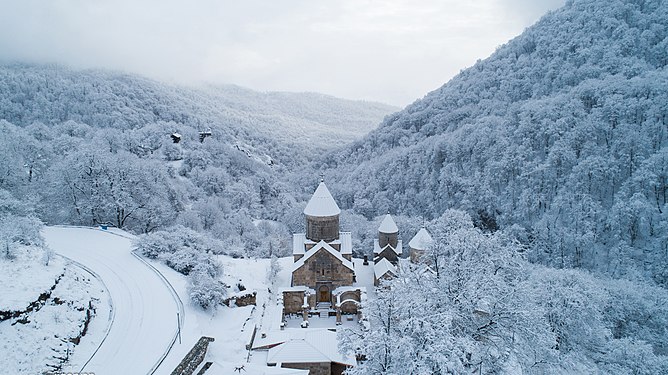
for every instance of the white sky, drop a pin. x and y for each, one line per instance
(393, 51)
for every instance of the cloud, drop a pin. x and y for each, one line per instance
(391, 50)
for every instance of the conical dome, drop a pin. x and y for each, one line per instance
(322, 203)
(388, 225)
(421, 241)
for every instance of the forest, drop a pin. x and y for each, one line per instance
(541, 172)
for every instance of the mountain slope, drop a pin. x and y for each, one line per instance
(560, 136)
(53, 94)
(90, 147)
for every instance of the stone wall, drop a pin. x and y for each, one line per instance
(388, 254)
(350, 307)
(322, 368)
(323, 267)
(385, 238)
(242, 299)
(194, 357)
(293, 302)
(416, 255)
(322, 228)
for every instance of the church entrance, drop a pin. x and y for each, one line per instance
(324, 294)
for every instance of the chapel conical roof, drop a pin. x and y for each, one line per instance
(322, 203)
(388, 225)
(421, 241)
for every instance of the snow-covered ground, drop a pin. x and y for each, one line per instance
(59, 303)
(145, 320)
(232, 327)
(145, 312)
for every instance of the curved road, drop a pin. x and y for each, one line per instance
(145, 312)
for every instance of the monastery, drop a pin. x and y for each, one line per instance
(323, 273)
(326, 284)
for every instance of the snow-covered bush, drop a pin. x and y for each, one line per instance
(204, 289)
(17, 225)
(175, 244)
(191, 254)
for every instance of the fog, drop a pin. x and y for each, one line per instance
(393, 51)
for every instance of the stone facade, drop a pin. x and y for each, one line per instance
(319, 368)
(293, 301)
(417, 255)
(388, 254)
(350, 307)
(322, 228)
(242, 299)
(388, 238)
(323, 268)
(387, 276)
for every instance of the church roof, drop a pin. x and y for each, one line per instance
(322, 203)
(307, 346)
(346, 242)
(388, 225)
(382, 267)
(421, 241)
(377, 250)
(299, 242)
(324, 246)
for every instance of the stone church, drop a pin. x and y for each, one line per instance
(323, 272)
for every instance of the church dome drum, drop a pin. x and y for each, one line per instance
(322, 216)
(388, 232)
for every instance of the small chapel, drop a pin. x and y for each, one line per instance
(327, 282)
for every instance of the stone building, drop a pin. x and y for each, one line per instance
(419, 244)
(323, 269)
(315, 350)
(387, 245)
(383, 270)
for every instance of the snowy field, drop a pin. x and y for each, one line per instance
(58, 303)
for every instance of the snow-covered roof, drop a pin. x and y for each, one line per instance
(377, 250)
(322, 245)
(298, 240)
(308, 346)
(421, 241)
(382, 267)
(298, 288)
(272, 339)
(348, 288)
(346, 242)
(322, 203)
(388, 225)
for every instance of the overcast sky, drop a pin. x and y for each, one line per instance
(393, 51)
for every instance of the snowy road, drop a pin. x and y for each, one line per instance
(144, 310)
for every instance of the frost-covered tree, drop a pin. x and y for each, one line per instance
(487, 310)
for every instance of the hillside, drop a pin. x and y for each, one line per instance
(54, 94)
(560, 136)
(90, 147)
